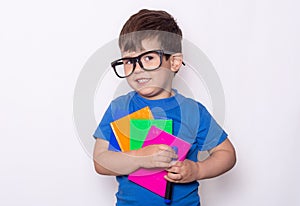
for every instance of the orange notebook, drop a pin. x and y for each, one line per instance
(121, 127)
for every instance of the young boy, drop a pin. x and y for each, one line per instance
(150, 44)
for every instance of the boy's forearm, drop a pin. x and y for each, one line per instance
(218, 163)
(116, 163)
(123, 163)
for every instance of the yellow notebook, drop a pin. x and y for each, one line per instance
(121, 127)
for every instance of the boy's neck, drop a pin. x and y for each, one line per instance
(164, 95)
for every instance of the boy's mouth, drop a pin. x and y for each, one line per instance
(143, 80)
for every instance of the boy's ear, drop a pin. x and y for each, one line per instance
(176, 61)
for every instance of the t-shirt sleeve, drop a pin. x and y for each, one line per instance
(104, 130)
(210, 133)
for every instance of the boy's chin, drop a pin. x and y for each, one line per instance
(153, 93)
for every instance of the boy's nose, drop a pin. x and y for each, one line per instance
(138, 67)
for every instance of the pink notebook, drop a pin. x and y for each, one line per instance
(153, 179)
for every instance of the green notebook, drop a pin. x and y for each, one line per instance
(139, 129)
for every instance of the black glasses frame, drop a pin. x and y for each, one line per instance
(137, 59)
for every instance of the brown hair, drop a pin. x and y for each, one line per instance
(151, 24)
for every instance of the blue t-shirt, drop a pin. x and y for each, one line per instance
(191, 122)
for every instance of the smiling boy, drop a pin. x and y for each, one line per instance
(156, 84)
(150, 44)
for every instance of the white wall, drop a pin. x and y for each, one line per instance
(254, 46)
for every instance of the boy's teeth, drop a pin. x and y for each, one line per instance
(142, 80)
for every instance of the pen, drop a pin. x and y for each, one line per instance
(169, 190)
(169, 187)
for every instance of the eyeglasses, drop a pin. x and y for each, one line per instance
(149, 61)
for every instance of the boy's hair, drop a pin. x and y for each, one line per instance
(154, 25)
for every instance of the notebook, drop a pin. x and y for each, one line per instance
(139, 129)
(121, 128)
(153, 179)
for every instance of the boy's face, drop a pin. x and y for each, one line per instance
(156, 84)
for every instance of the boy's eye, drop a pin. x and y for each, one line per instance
(128, 61)
(148, 58)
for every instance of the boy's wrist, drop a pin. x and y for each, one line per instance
(199, 173)
(136, 158)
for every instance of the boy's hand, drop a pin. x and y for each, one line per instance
(183, 172)
(155, 156)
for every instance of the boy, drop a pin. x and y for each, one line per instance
(150, 43)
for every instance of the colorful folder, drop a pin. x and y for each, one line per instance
(121, 128)
(113, 143)
(139, 129)
(153, 179)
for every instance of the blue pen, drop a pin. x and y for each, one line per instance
(169, 187)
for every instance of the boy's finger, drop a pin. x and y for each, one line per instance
(176, 164)
(173, 177)
(173, 169)
(165, 147)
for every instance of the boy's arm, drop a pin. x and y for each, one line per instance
(222, 158)
(123, 163)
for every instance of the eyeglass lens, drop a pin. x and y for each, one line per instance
(147, 61)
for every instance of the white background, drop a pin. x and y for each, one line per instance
(254, 46)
